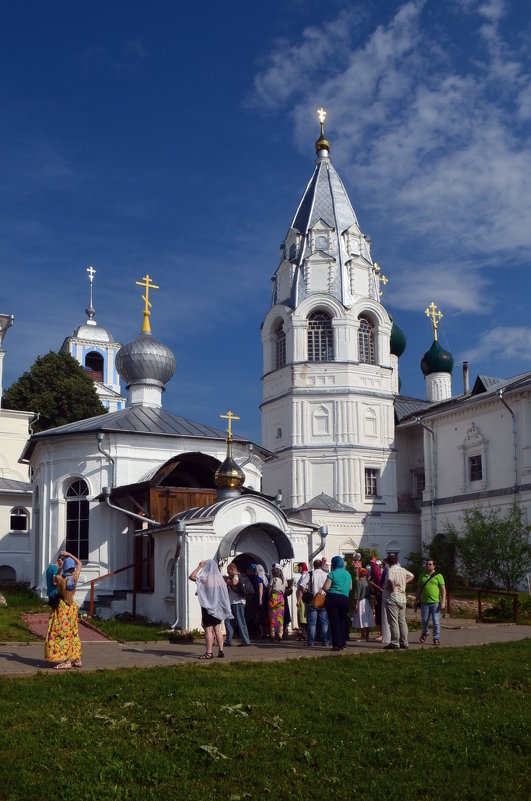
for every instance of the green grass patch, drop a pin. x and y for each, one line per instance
(133, 631)
(447, 724)
(19, 601)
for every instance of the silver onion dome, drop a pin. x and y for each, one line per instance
(145, 360)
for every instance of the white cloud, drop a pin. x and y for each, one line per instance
(502, 343)
(432, 134)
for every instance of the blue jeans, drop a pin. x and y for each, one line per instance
(313, 615)
(435, 611)
(238, 610)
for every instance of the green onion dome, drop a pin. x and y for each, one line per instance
(437, 360)
(398, 341)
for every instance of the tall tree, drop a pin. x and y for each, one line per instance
(58, 389)
(493, 550)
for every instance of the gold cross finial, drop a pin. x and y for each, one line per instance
(148, 283)
(435, 316)
(380, 278)
(91, 272)
(321, 116)
(230, 417)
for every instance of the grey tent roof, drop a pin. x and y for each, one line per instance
(326, 503)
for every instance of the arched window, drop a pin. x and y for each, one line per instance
(94, 365)
(280, 347)
(77, 519)
(366, 341)
(18, 520)
(320, 337)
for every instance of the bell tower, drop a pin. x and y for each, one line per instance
(329, 371)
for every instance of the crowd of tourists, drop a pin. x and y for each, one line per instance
(330, 601)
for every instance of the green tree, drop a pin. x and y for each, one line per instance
(443, 550)
(493, 550)
(58, 389)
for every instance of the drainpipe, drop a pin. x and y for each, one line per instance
(250, 448)
(515, 457)
(180, 530)
(106, 492)
(100, 437)
(466, 380)
(433, 473)
(323, 533)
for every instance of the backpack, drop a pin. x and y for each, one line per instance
(244, 586)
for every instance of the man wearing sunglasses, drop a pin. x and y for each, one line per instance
(431, 595)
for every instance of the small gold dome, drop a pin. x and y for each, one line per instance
(229, 475)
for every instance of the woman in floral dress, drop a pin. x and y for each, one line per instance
(63, 645)
(276, 604)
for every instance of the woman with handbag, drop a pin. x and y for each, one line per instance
(277, 589)
(337, 586)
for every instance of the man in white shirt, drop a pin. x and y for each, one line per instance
(395, 605)
(316, 579)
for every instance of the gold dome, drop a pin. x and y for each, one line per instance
(229, 475)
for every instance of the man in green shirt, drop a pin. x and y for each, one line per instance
(431, 595)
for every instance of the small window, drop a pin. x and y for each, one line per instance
(475, 468)
(280, 347)
(366, 342)
(321, 243)
(372, 477)
(18, 520)
(94, 365)
(419, 484)
(320, 338)
(279, 433)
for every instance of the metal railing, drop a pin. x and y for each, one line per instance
(480, 593)
(95, 581)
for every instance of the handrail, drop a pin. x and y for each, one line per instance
(483, 591)
(94, 581)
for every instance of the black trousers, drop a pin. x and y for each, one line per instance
(337, 609)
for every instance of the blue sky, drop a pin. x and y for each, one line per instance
(176, 139)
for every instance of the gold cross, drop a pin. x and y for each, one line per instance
(321, 116)
(230, 417)
(148, 283)
(92, 272)
(383, 279)
(435, 316)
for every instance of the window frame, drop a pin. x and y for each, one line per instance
(366, 341)
(372, 482)
(77, 519)
(19, 512)
(320, 337)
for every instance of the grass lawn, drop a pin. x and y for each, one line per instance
(440, 724)
(19, 601)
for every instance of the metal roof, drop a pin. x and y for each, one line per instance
(326, 503)
(12, 485)
(136, 420)
(405, 406)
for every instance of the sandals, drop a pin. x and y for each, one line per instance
(205, 656)
(221, 655)
(63, 666)
(436, 642)
(77, 663)
(423, 637)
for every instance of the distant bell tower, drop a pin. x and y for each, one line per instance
(330, 374)
(95, 350)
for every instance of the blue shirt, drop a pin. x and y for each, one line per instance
(51, 589)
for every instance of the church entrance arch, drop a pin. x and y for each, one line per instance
(261, 543)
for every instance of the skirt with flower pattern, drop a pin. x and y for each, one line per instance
(62, 642)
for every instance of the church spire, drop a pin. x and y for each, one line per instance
(91, 311)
